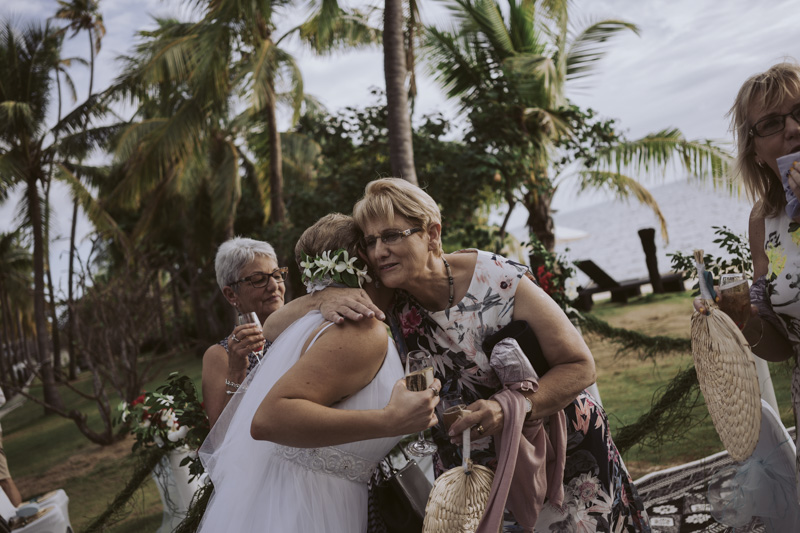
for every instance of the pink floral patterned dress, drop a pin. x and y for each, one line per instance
(599, 493)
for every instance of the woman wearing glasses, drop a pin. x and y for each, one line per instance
(251, 280)
(765, 119)
(447, 305)
(294, 453)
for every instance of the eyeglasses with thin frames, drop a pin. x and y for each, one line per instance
(390, 236)
(774, 124)
(261, 279)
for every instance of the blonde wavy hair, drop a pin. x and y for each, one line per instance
(766, 90)
(387, 197)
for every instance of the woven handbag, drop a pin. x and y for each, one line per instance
(459, 497)
(401, 495)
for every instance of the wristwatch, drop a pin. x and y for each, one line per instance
(528, 407)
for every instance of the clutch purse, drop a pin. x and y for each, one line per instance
(401, 496)
(510, 363)
(520, 331)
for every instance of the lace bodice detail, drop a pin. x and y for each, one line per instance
(331, 461)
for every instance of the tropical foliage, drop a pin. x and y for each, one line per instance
(199, 158)
(509, 65)
(735, 257)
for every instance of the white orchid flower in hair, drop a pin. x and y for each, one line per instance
(307, 265)
(325, 262)
(347, 264)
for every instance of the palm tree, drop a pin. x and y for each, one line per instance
(186, 143)
(511, 74)
(27, 63)
(81, 15)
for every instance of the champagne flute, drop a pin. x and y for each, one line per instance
(735, 302)
(453, 407)
(250, 318)
(419, 376)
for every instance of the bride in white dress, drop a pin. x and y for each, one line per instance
(294, 452)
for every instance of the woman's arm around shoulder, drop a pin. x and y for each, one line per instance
(343, 360)
(571, 363)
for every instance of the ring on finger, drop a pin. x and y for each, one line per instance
(480, 429)
(235, 338)
(435, 390)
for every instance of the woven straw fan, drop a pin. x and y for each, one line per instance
(727, 374)
(458, 498)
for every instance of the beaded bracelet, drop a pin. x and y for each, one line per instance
(230, 383)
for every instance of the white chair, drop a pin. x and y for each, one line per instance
(46, 514)
(763, 484)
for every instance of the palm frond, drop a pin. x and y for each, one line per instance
(300, 157)
(225, 183)
(77, 119)
(12, 170)
(623, 187)
(152, 149)
(590, 44)
(80, 144)
(290, 76)
(330, 29)
(701, 159)
(94, 210)
(451, 62)
(18, 116)
(485, 17)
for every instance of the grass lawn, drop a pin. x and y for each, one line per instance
(46, 453)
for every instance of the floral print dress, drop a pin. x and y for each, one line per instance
(599, 493)
(782, 246)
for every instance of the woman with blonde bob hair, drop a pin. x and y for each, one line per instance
(448, 304)
(765, 119)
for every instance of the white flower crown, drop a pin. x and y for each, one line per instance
(322, 271)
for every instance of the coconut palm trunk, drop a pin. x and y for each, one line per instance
(540, 217)
(401, 150)
(277, 209)
(73, 363)
(51, 395)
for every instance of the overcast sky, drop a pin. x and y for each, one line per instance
(683, 70)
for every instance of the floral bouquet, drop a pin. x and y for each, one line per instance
(172, 417)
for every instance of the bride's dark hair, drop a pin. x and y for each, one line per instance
(331, 232)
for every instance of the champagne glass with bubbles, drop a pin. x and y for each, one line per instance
(251, 318)
(419, 376)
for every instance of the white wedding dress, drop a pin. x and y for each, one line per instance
(263, 486)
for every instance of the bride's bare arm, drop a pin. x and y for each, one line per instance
(296, 411)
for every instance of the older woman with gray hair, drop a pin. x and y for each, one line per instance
(251, 281)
